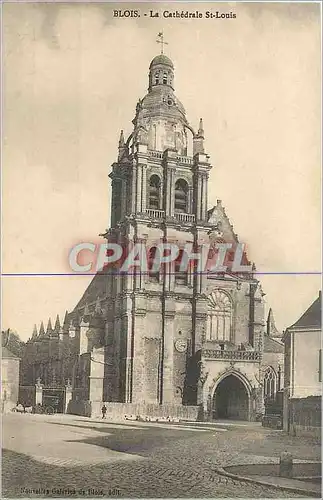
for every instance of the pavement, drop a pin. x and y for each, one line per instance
(66, 455)
(305, 486)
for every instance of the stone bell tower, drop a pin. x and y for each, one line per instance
(145, 179)
(159, 193)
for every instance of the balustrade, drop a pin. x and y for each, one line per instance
(231, 355)
(155, 214)
(185, 217)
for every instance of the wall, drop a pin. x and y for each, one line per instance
(10, 382)
(305, 355)
(305, 417)
(119, 410)
(83, 408)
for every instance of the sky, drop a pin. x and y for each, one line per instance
(72, 77)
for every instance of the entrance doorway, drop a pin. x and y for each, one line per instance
(231, 399)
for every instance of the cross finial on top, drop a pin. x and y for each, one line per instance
(160, 39)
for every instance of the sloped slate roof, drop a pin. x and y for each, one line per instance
(311, 317)
(271, 345)
(5, 353)
(96, 288)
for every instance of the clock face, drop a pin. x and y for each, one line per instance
(181, 345)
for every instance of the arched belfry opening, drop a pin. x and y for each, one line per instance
(154, 192)
(181, 196)
(231, 399)
(161, 72)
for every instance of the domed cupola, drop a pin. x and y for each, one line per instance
(161, 72)
(160, 121)
(160, 99)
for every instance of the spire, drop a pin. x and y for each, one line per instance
(41, 330)
(121, 140)
(198, 140)
(65, 322)
(49, 327)
(57, 324)
(123, 149)
(200, 132)
(35, 333)
(272, 330)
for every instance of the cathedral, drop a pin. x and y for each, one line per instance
(168, 340)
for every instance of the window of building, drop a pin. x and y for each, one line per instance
(154, 192)
(153, 275)
(220, 317)
(157, 78)
(181, 196)
(181, 277)
(270, 382)
(165, 78)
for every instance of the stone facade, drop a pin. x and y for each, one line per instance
(168, 337)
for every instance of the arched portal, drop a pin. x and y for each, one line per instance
(231, 399)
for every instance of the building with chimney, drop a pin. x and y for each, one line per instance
(167, 340)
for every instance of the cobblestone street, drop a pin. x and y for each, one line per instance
(74, 456)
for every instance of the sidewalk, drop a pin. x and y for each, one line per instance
(290, 483)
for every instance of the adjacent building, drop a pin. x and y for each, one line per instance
(10, 365)
(303, 372)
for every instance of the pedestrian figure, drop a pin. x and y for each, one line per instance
(104, 410)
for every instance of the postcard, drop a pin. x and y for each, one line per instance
(161, 235)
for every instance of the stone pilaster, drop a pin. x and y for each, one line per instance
(39, 393)
(190, 199)
(96, 375)
(259, 319)
(117, 355)
(204, 197)
(201, 167)
(134, 188)
(199, 321)
(138, 386)
(144, 187)
(141, 183)
(123, 200)
(84, 326)
(199, 198)
(169, 277)
(139, 189)
(259, 405)
(170, 162)
(168, 352)
(68, 395)
(138, 273)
